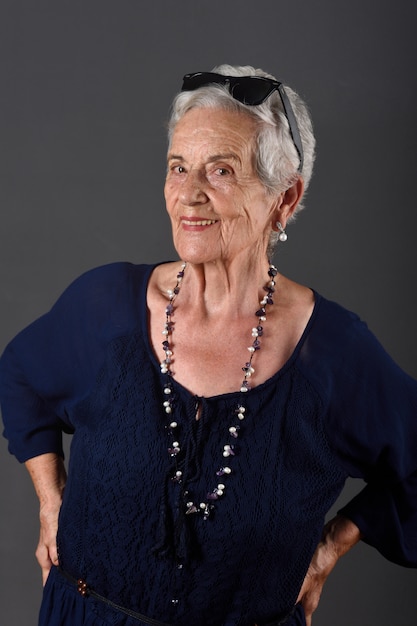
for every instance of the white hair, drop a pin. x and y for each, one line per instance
(276, 157)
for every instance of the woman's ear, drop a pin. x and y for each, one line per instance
(287, 203)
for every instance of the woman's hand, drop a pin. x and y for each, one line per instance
(49, 476)
(46, 552)
(339, 536)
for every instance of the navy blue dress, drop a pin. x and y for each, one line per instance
(339, 407)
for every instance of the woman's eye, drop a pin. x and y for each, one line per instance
(176, 169)
(222, 171)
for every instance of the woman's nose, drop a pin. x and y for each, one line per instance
(193, 188)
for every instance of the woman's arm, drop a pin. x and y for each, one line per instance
(339, 536)
(49, 477)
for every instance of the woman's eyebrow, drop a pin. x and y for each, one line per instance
(227, 156)
(175, 157)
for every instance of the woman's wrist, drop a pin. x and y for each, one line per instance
(49, 476)
(340, 534)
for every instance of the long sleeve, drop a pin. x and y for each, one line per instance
(370, 416)
(51, 365)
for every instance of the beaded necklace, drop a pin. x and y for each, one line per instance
(206, 506)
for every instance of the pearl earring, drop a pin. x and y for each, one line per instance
(282, 234)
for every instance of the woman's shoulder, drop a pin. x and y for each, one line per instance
(111, 275)
(339, 346)
(335, 324)
(325, 321)
(107, 297)
(107, 286)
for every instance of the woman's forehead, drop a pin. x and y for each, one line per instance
(214, 131)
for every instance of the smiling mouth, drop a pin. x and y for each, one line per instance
(199, 222)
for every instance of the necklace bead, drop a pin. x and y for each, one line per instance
(229, 451)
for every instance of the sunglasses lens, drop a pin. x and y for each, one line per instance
(200, 79)
(252, 91)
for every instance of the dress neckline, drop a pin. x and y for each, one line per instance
(271, 380)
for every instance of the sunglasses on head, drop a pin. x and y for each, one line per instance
(250, 90)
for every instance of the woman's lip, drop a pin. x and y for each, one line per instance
(193, 221)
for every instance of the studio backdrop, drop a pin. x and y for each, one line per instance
(86, 87)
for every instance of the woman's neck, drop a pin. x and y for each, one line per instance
(232, 290)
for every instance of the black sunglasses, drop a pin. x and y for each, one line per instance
(250, 90)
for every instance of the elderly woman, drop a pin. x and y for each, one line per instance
(217, 407)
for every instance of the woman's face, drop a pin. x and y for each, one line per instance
(218, 207)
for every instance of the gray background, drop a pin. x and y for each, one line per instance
(84, 92)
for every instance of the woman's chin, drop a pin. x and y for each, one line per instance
(198, 254)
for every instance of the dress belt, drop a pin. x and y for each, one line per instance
(85, 591)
